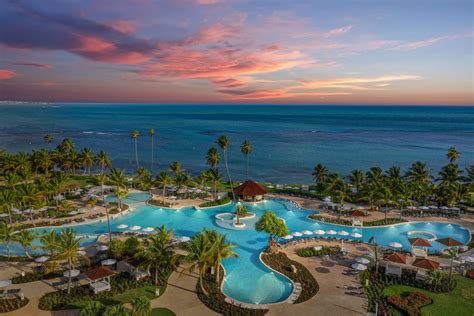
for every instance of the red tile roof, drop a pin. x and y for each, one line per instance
(357, 213)
(420, 242)
(98, 273)
(250, 188)
(397, 258)
(425, 264)
(450, 242)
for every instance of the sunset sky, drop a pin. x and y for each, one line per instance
(238, 51)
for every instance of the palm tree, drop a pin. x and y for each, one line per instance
(182, 179)
(224, 143)
(121, 194)
(320, 174)
(374, 175)
(213, 158)
(28, 193)
(68, 245)
(7, 235)
(152, 136)
(450, 174)
(101, 180)
(394, 173)
(135, 135)
(117, 178)
(246, 150)
(469, 178)
(215, 179)
(25, 238)
(176, 168)
(164, 179)
(418, 173)
(376, 253)
(356, 178)
(221, 249)
(57, 184)
(141, 306)
(87, 158)
(49, 241)
(453, 154)
(116, 310)
(453, 253)
(199, 256)
(7, 200)
(103, 161)
(48, 139)
(158, 252)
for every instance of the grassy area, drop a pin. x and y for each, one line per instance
(161, 312)
(460, 301)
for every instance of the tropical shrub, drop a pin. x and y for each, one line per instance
(131, 246)
(215, 203)
(325, 250)
(117, 248)
(410, 303)
(11, 304)
(242, 210)
(34, 276)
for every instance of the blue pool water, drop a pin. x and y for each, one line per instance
(248, 280)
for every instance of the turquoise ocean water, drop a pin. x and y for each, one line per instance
(287, 140)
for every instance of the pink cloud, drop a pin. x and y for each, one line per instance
(35, 65)
(338, 31)
(7, 74)
(207, 2)
(123, 26)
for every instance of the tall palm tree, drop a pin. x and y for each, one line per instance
(198, 256)
(87, 157)
(320, 174)
(453, 253)
(453, 154)
(121, 194)
(101, 179)
(215, 179)
(220, 249)
(68, 244)
(213, 158)
(376, 252)
(7, 200)
(224, 143)
(356, 178)
(394, 173)
(57, 185)
(117, 178)
(25, 238)
(418, 173)
(164, 179)
(469, 178)
(374, 175)
(158, 252)
(103, 161)
(49, 241)
(141, 306)
(7, 235)
(176, 168)
(182, 179)
(449, 174)
(44, 161)
(152, 136)
(246, 150)
(135, 135)
(29, 193)
(48, 139)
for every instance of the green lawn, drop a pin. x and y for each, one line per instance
(161, 312)
(457, 302)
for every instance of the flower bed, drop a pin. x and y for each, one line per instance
(410, 303)
(215, 299)
(60, 300)
(281, 263)
(11, 304)
(215, 203)
(34, 276)
(325, 250)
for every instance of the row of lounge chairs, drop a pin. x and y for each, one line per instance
(431, 213)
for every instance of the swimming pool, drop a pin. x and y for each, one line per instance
(247, 279)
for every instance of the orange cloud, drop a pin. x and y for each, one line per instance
(7, 74)
(275, 94)
(355, 83)
(91, 44)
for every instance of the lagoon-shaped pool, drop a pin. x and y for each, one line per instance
(247, 279)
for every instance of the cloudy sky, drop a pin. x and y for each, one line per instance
(238, 51)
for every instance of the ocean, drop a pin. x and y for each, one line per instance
(288, 141)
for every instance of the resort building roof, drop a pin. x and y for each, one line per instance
(425, 264)
(357, 213)
(419, 242)
(99, 273)
(250, 188)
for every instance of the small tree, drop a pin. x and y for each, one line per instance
(241, 210)
(272, 225)
(92, 308)
(141, 306)
(117, 248)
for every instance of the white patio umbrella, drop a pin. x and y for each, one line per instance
(319, 232)
(331, 232)
(317, 248)
(42, 259)
(362, 260)
(184, 239)
(287, 237)
(4, 283)
(102, 248)
(343, 233)
(148, 229)
(108, 262)
(136, 227)
(297, 234)
(395, 244)
(359, 266)
(307, 232)
(122, 226)
(71, 273)
(356, 235)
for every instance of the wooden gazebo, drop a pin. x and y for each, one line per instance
(99, 279)
(250, 191)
